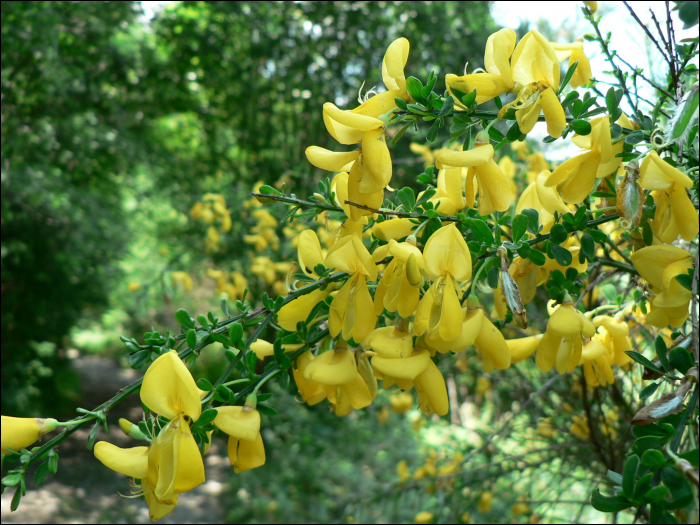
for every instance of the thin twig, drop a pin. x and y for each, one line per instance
(672, 63)
(646, 30)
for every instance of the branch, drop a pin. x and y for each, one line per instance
(646, 30)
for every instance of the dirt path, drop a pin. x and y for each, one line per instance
(84, 491)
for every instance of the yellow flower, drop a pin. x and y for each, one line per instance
(395, 291)
(448, 198)
(425, 151)
(401, 402)
(338, 371)
(659, 265)
(393, 229)
(523, 348)
(579, 428)
(424, 517)
(536, 68)
(528, 276)
(562, 342)
(675, 214)
(482, 385)
(574, 52)
(615, 336)
(265, 349)
(575, 178)
(245, 445)
(383, 415)
(402, 471)
(593, 6)
(352, 309)
(183, 279)
(447, 260)
(133, 462)
(134, 286)
(20, 432)
(310, 391)
(597, 359)
(521, 508)
(498, 78)
(495, 191)
(398, 362)
(484, 504)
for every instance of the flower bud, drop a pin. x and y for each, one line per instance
(413, 274)
(20, 432)
(510, 289)
(131, 430)
(630, 198)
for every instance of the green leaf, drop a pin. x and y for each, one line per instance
(41, 473)
(53, 462)
(653, 458)
(660, 347)
(400, 103)
(182, 317)
(609, 503)
(649, 442)
(482, 231)
(407, 198)
(269, 190)
(537, 257)
(492, 278)
(588, 245)
(685, 280)
(224, 307)
(635, 137)
(266, 410)
(191, 338)
(688, 13)
(433, 131)
(251, 361)
(514, 132)
(629, 475)
(204, 384)
(562, 255)
(648, 390)
(693, 456)
(235, 333)
(581, 127)
(647, 234)
(495, 135)
(643, 361)
(658, 493)
(414, 87)
(569, 73)
(532, 218)
(207, 417)
(643, 486)
(558, 234)
(615, 477)
(447, 106)
(16, 498)
(399, 133)
(611, 100)
(519, 226)
(524, 250)
(680, 359)
(224, 393)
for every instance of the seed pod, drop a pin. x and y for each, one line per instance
(511, 291)
(630, 198)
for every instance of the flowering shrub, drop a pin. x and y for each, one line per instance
(389, 286)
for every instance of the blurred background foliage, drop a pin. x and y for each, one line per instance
(114, 127)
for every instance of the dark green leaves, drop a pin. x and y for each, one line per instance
(537, 257)
(562, 255)
(629, 474)
(569, 73)
(643, 361)
(191, 339)
(609, 503)
(581, 127)
(519, 226)
(482, 231)
(558, 234)
(407, 198)
(182, 317)
(653, 458)
(588, 245)
(680, 359)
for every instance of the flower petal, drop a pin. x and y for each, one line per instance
(237, 421)
(132, 462)
(168, 388)
(330, 160)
